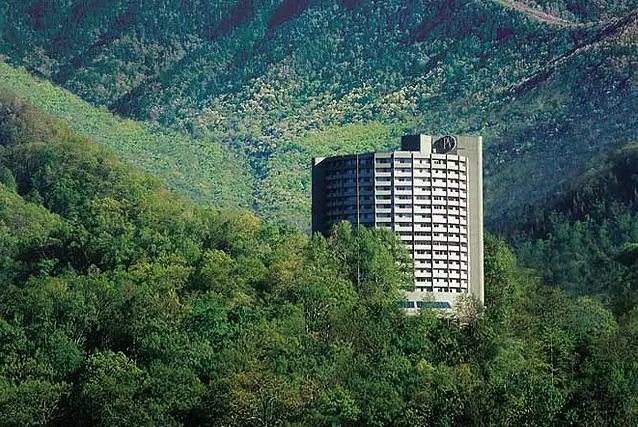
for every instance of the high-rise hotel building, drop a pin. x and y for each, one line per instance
(430, 192)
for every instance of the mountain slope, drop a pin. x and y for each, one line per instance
(574, 237)
(124, 304)
(207, 172)
(582, 11)
(277, 81)
(537, 14)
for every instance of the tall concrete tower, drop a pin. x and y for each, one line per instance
(430, 193)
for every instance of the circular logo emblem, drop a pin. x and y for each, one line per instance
(445, 144)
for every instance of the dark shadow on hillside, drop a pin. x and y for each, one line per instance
(288, 10)
(349, 4)
(239, 15)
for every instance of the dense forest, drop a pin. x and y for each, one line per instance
(155, 261)
(573, 237)
(125, 304)
(267, 84)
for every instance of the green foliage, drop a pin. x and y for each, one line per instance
(237, 96)
(628, 254)
(123, 304)
(209, 172)
(589, 226)
(584, 11)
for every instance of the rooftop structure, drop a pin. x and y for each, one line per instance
(430, 192)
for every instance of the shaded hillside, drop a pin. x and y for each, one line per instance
(276, 80)
(610, 182)
(126, 305)
(573, 237)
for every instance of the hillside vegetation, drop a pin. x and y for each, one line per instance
(209, 172)
(582, 11)
(275, 82)
(573, 237)
(124, 304)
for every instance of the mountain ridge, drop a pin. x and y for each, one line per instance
(262, 91)
(537, 14)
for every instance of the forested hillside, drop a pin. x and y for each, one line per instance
(573, 237)
(575, 12)
(123, 304)
(207, 172)
(548, 84)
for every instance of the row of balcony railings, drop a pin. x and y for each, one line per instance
(417, 182)
(430, 267)
(442, 286)
(402, 182)
(424, 179)
(426, 263)
(454, 273)
(421, 304)
(452, 252)
(367, 159)
(429, 238)
(386, 167)
(382, 199)
(409, 163)
(351, 216)
(417, 173)
(438, 250)
(450, 249)
(446, 274)
(408, 224)
(452, 213)
(423, 218)
(407, 194)
(441, 282)
(406, 173)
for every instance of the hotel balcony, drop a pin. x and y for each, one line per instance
(420, 191)
(420, 246)
(422, 227)
(406, 226)
(403, 210)
(423, 275)
(402, 174)
(422, 173)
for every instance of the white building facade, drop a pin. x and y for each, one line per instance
(429, 193)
